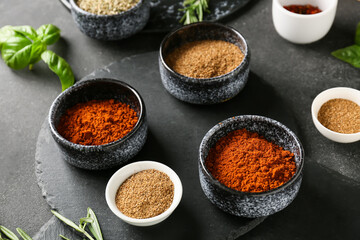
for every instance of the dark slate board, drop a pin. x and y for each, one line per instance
(52, 229)
(176, 130)
(164, 14)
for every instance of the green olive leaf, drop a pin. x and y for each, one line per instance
(59, 66)
(48, 33)
(357, 35)
(27, 31)
(349, 54)
(16, 51)
(8, 233)
(23, 234)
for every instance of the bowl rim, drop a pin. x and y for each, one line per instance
(223, 77)
(330, 8)
(136, 167)
(77, 85)
(230, 120)
(75, 6)
(315, 117)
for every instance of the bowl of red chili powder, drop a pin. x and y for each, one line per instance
(204, 63)
(250, 166)
(98, 123)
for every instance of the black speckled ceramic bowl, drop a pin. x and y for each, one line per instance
(207, 90)
(110, 27)
(109, 155)
(247, 204)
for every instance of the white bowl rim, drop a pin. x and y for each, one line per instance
(323, 12)
(315, 118)
(178, 191)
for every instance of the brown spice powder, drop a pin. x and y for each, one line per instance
(205, 59)
(340, 115)
(145, 194)
(106, 7)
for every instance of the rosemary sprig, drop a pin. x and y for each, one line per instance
(12, 235)
(194, 11)
(90, 221)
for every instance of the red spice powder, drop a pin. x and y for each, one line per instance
(247, 162)
(303, 9)
(97, 122)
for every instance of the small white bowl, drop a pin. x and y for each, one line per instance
(125, 172)
(300, 28)
(338, 92)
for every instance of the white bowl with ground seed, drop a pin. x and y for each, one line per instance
(336, 114)
(144, 193)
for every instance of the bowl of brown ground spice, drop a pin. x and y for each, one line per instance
(336, 114)
(204, 63)
(109, 19)
(144, 193)
(98, 123)
(250, 166)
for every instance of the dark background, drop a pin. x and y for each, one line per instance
(327, 206)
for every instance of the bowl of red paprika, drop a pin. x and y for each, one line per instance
(98, 123)
(250, 166)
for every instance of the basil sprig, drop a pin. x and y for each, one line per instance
(23, 46)
(350, 54)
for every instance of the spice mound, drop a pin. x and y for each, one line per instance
(340, 115)
(106, 7)
(247, 162)
(145, 194)
(303, 9)
(205, 59)
(97, 122)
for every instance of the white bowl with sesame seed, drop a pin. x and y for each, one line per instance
(119, 178)
(330, 94)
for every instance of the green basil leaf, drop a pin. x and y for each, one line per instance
(23, 234)
(48, 33)
(59, 66)
(5, 33)
(16, 52)
(94, 226)
(8, 233)
(357, 35)
(37, 48)
(349, 54)
(27, 31)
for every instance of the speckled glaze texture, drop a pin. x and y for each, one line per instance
(210, 90)
(112, 27)
(107, 155)
(251, 204)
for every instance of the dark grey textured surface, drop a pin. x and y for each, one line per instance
(175, 132)
(251, 204)
(327, 206)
